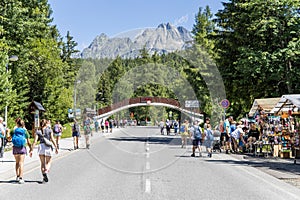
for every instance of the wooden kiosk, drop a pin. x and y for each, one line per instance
(36, 109)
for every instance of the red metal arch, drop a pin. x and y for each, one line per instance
(138, 100)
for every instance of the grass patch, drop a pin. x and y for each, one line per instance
(67, 130)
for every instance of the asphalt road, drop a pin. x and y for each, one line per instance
(139, 163)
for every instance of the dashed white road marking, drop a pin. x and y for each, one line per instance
(147, 165)
(148, 186)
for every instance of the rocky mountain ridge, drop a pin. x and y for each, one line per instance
(163, 39)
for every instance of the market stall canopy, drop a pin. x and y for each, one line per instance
(267, 104)
(287, 103)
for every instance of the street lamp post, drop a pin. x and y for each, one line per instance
(12, 58)
(75, 84)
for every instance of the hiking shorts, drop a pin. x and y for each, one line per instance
(45, 150)
(196, 142)
(19, 150)
(57, 134)
(75, 134)
(208, 143)
(225, 137)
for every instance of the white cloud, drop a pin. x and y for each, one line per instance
(181, 20)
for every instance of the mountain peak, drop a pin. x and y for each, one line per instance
(165, 38)
(166, 26)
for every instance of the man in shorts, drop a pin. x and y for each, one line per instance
(196, 136)
(226, 134)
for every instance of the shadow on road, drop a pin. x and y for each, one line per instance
(150, 140)
(16, 182)
(277, 165)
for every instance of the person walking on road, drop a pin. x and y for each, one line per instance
(207, 122)
(20, 137)
(209, 138)
(111, 124)
(57, 129)
(44, 150)
(49, 123)
(106, 125)
(176, 127)
(184, 128)
(96, 125)
(161, 126)
(75, 134)
(87, 131)
(196, 136)
(226, 133)
(2, 137)
(168, 126)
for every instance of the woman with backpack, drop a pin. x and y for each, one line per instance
(75, 134)
(45, 134)
(87, 131)
(20, 137)
(57, 129)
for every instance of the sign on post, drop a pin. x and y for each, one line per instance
(225, 103)
(192, 104)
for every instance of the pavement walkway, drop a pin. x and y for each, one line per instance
(283, 169)
(7, 163)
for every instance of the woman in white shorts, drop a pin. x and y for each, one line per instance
(45, 152)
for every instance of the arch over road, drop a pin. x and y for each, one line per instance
(147, 101)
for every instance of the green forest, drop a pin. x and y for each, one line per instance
(252, 47)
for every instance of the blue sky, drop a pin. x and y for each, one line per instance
(89, 18)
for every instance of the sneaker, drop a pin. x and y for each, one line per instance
(21, 181)
(193, 155)
(45, 178)
(18, 178)
(88, 146)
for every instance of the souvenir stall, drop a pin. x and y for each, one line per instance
(261, 115)
(288, 109)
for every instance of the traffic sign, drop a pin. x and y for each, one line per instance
(192, 104)
(225, 103)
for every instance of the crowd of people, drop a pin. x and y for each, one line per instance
(230, 136)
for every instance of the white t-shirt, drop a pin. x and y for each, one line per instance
(161, 124)
(237, 133)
